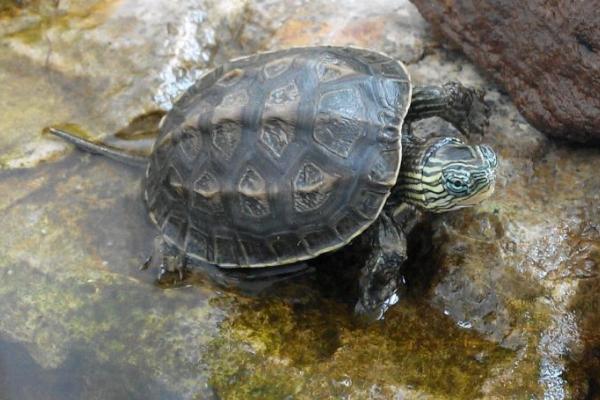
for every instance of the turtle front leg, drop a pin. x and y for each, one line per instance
(462, 106)
(167, 260)
(380, 278)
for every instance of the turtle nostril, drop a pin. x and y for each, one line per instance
(491, 176)
(489, 155)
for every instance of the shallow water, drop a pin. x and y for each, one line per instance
(79, 377)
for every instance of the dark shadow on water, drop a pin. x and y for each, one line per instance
(81, 376)
(333, 275)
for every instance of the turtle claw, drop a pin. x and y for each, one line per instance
(467, 109)
(174, 274)
(162, 274)
(380, 280)
(171, 263)
(477, 119)
(373, 313)
(146, 264)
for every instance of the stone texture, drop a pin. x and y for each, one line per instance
(97, 69)
(501, 300)
(545, 53)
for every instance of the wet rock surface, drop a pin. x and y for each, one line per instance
(97, 67)
(501, 300)
(544, 53)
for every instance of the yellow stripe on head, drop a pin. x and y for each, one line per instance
(447, 174)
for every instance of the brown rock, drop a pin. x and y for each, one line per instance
(546, 54)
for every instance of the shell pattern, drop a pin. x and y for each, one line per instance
(279, 157)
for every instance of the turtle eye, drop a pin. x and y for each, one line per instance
(457, 184)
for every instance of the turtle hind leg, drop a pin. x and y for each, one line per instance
(173, 268)
(380, 279)
(255, 281)
(462, 106)
(170, 262)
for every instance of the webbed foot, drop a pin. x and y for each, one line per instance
(380, 279)
(372, 304)
(172, 270)
(171, 263)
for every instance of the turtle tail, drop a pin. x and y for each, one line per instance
(101, 149)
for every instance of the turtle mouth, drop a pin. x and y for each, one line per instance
(481, 195)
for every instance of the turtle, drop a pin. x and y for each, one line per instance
(275, 158)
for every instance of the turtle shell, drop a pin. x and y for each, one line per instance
(279, 157)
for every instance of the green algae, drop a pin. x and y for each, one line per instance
(139, 135)
(75, 129)
(45, 15)
(268, 347)
(9, 8)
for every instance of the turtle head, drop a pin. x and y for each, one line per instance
(448, 174)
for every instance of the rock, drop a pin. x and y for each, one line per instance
(122, 61)
(501, 300)
(358, 24)
(545, 54)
